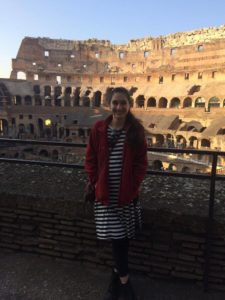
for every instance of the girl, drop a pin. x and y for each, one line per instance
(116, 162)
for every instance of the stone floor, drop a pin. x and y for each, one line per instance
(29, 277)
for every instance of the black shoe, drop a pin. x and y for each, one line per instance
(127, 291)
(112, 292)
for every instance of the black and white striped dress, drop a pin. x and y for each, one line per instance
(112, 221)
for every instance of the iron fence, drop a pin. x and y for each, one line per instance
(212, 177)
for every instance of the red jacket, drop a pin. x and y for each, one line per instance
(96, 164)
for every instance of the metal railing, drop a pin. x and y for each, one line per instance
(212, 177)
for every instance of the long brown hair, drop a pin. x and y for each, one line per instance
(135, 134)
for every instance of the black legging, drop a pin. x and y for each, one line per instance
(120, 249)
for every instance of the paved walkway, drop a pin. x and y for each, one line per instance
(28, 277)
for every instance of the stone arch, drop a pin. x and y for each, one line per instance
(67, 96)
(163, 102)
(37, 100)
(81, 132)
(28, 100)
(21, 128)
(175, 102)
(200, 102)
(37, 89)
(40, 126)
(4, 127)
(170, 140)
(43, 153)
(205, 143)
(97, 99)
(107, 95)
(193, 142)
(159, 140)
(181, 141)
(187, 102)
(68, 90)
(157, 164)
(58, 95)
(55, 154)
(47, 90)
(30, 128)
(18, 100)
(48, 101)
(213, 102)
(151, 102)
(47, 95)
(186, 169)
(77, 96)
(21, 75)
(140, 101)
(172, 167)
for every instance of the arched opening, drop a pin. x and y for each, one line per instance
(68, 90)
(193, 142)
(43, 153)
(21, 75)
(187, 102)
(30, 128)
(151, 102)
(163, 102)
(86, 99)
(58, 95)
(106, 96)
(37, 89)
(37, 100)
(213, 102)
(200, 102)
(4, 127)
(21, 128)
(47, 90)
(172, 167)
(175, 103)
(41, 127)
(67, 97)
(77, 96)
(157, 165)
(97, 99)
(170, 141)
(205, 143)
(18, 100)
(140, 101)
(181, 141)
(159, 140)
(28, 100)
(81, 132)
(186, 170)
(55, 155)
(48, 101)
(221, 131)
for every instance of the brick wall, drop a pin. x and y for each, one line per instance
(170, 245)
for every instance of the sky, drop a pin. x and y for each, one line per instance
(116, 20)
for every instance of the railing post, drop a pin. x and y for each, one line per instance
(210, 222)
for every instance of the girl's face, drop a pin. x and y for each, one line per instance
(119, 106)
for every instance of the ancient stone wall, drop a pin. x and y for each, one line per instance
(43, 213)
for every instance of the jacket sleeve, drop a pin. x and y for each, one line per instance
(140, 163)
(91, 159)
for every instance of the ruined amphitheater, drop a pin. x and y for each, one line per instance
(58, 89)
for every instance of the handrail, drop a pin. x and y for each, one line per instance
(212, 177)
